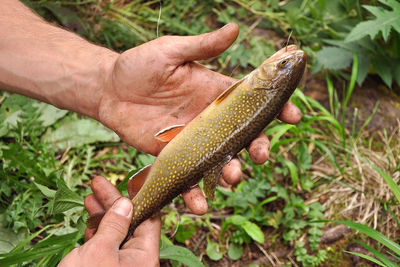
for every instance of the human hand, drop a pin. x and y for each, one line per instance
(102, 246)
(158, 84)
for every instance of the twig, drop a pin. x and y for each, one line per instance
(266, 254)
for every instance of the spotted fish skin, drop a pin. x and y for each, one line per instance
(219, 132)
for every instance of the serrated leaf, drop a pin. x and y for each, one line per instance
(9, 239)
(78, 133)
(49, 193)
(334, 58)
(65, 198)
(260, 51)
(384, 21)
(383, 67)
(49, 114)
(180, 254)
(363, 68)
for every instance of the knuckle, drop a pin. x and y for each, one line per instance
(114, 226)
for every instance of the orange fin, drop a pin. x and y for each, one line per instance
(94, 220)
(167, 134)
(228, 91)
(137, 180)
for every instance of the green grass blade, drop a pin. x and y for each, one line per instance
(24, 242)
(366, 257)
(373, 234)
(294, 173)
(278, 131)
(378, 255)
(392, 184)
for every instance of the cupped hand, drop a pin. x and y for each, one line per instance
(102, 246)
(158, 84)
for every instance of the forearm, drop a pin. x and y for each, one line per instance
(50, 64)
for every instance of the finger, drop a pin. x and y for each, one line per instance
(195, 201)
(259, 149)
(92, 205)
(290, 113)
(204, 46)
(104, 191)
(115, 223)
(232, 172)
(89, 233)
(223, 183)
(146, 236)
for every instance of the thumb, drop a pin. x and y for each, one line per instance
(207, 45)
(115, 224)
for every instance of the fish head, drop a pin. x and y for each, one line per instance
(282, 71)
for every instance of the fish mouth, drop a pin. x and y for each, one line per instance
(288, 50)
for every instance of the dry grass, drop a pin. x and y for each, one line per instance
(358, 192)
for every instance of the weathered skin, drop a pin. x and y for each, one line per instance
(224, 128)
(220, 132)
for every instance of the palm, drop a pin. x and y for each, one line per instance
(157, 90)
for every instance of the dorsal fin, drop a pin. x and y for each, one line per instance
(228, 91)
(167, 134)
(137, 180)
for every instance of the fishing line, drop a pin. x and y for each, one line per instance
(287, 42)
(159, 17)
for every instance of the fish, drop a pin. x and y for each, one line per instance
(200, 149)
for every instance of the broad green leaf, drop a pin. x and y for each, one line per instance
(180, 254)
(253, 231)
(383, 68)
(49, 114)
(49, 193)
(334, 58)
(236, 220)
(212, 251)
(78, 133)
(384, 21)
(235, 251)
(8, 238)
(65, 198)
(363, 68)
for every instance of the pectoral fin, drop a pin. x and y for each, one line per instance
(210, 182)
(137, 180)
(228, 91)
(167, 134)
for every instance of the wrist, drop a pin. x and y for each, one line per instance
(91, 82)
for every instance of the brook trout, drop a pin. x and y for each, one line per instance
(201, 148)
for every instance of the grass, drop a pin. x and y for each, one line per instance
(325, 156)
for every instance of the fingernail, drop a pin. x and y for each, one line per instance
(122, 207)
